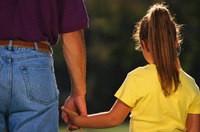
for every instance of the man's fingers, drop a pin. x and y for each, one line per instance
(65, 109)
(72, 127)
(68, 111)
(65, 117)
(64, 114)
(83, 113)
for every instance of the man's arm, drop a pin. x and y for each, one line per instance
(193, 123)
(75, 57)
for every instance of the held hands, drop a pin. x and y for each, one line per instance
(77, 106)
(71, 115)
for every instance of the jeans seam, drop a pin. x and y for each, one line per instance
(30, 57)
(10, 83)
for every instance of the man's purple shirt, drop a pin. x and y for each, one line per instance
(40, 20)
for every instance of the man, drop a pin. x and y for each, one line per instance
(28, 91)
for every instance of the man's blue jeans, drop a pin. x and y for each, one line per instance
(28, 91)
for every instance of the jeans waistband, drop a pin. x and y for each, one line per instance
(42, 46)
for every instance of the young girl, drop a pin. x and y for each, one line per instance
(160, 96)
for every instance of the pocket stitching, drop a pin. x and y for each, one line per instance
(28, 86)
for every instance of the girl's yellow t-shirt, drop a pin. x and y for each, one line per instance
(151, 110)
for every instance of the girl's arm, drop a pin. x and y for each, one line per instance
(114, 117)
(193, 123)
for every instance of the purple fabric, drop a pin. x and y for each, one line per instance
(39, 20)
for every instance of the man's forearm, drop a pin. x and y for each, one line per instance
(75, 57)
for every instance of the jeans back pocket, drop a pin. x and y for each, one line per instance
(40, 83)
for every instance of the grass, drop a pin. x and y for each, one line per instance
(124, 127)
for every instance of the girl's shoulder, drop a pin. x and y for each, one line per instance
(145, 75)
(144, 70)
(186, 76)
(188, 81)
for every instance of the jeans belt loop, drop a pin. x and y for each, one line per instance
(36, 46)
(10, 45)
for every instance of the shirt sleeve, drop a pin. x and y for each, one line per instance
(72, 15)
(195, 106)
(127, 93)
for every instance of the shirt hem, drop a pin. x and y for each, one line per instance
(73, 28)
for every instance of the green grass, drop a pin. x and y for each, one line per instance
(121, 128)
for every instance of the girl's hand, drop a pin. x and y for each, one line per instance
(71, 115)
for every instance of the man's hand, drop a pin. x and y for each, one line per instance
(71, 114)
(76, 104)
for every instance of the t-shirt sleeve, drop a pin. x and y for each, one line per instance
(127, 93)
(72, 15)
(195, 106)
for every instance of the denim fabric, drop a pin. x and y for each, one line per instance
(28, 91)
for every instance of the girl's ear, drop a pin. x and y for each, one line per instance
(145, 46)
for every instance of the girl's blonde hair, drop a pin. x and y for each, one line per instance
(160, 32)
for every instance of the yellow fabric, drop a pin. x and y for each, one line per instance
(151, 110)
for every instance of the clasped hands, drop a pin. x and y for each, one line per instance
(73, 107)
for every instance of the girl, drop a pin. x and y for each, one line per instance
(160, 96)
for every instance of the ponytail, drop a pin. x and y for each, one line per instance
(160, 32)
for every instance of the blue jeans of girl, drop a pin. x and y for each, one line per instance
(28, 91)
